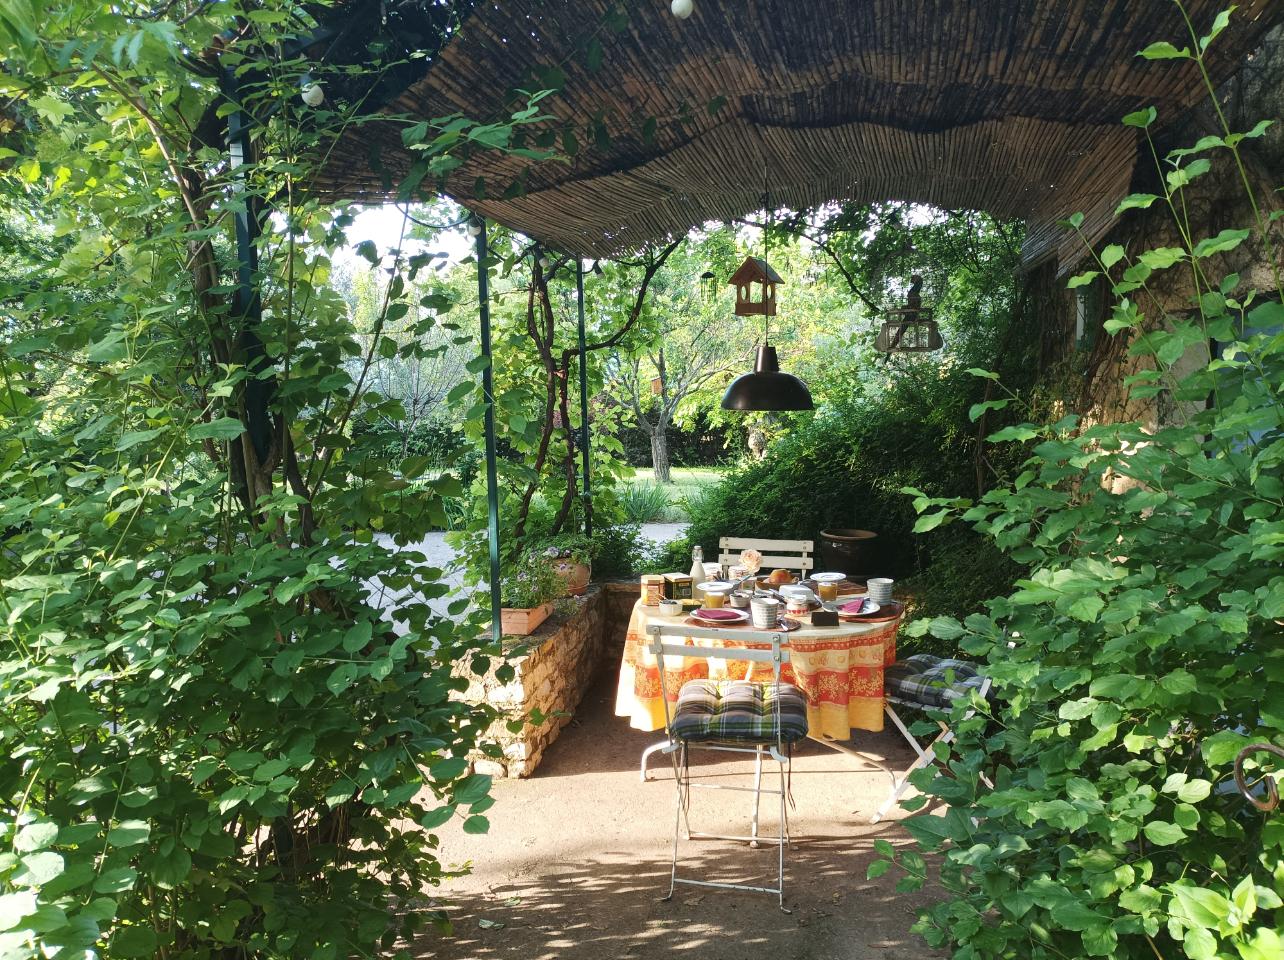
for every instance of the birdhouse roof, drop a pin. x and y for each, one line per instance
(755, 270)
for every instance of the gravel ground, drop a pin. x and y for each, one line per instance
(577, 859)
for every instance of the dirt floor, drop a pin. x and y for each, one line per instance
(578, 858)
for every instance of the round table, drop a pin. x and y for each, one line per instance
(840, 669)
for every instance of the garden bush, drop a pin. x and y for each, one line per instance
(847, 466)
(1147, 648)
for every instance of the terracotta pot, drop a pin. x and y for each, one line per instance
(522, 621)
(849, 551)
(575, 576)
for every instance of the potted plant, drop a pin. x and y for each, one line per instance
(527, 594)
(571, 558)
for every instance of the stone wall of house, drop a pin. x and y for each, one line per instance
(1071, 320)
(549, 682)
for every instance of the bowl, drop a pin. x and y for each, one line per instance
(670, 608)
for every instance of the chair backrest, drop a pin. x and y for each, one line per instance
(777, 656)
(790, 554)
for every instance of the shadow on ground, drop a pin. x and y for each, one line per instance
(578, 857)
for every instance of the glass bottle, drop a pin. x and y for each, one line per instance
(697, 567)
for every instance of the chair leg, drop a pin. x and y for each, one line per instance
(780, 847)
(757, 795)
(654, 748)
(677, 821)
(926, 757)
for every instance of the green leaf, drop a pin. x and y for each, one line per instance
(133, 941)
(1226, 240)
(129, 833)
(877, 868)
(1141, 118)
(116, 880)
(476, 824)
(37, 869)
(1082, 279)
(224, 428)
(342, 677)
(35, 836)
(1135, 201)
(448, 769)
(1163, 50)
(1074, 915)
(435, 818)
(1163, 834)
(15, 907)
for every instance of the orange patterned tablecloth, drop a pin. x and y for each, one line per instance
(839, 668)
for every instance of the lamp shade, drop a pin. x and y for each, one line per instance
(767, 388)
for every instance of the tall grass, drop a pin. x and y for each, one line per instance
(644, 502)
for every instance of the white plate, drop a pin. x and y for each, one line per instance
(870, 607)
(741, 617)
(828, 577)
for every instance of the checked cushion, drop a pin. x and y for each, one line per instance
(739, 711)
(928, 681)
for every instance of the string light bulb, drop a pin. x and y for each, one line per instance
(682, 8)
(313, 94)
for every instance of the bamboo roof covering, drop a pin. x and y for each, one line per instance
(1007, 106)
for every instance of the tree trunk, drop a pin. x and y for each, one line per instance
(660, 455)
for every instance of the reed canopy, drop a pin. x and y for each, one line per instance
(1007, 106)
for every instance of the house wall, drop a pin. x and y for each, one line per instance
(1070, 321)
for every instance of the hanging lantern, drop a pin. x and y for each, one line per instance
(911, 328)
(755, 284)
(909, 332)
(708, 286)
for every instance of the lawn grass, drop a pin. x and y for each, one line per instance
(686, 481)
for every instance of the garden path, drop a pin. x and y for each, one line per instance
(438, 553)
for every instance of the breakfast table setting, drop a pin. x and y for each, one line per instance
(840, 633)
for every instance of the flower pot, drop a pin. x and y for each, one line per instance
(575, 576)
(522, 621)
(849, 551)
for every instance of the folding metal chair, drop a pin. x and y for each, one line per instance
(932, 684)
(790, 554)
(734, 716)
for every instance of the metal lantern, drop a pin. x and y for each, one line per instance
(709, 285)
(909, 331)
(911, 328)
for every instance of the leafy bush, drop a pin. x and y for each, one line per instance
(1148, 648)
(620, 551)
(846, 468)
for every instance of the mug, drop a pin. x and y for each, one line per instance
(879, 589)
(766, 612)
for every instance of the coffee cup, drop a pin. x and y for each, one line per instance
(879, 589)
(765, 612)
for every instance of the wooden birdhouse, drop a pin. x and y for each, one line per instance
(755, 284)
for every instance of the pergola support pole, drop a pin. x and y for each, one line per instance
(488, 397)
(586, 490)
(247, 302)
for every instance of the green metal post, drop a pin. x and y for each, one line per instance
(587, 490)
(488, 395)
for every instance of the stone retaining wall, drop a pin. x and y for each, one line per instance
(551, 679)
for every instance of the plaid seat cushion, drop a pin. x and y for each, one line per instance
(739, 711)
(928, 681)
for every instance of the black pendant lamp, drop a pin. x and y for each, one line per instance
(766, 388)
